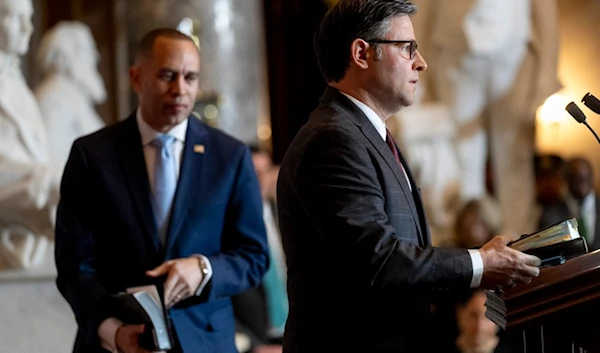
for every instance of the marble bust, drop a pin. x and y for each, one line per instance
(71, 85)
(28, 179)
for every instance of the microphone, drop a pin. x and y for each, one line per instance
(578, 115)
(591, 102)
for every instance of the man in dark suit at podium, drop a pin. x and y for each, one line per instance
(160, 194)
(361, 267)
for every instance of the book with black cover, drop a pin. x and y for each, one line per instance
(145, 305)
(554, 244)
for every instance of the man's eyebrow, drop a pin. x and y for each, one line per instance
(170, 70)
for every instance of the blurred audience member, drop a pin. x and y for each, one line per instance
(478, 221)
(267, 173)
(549, 179)
(580, 202)
(477, 333)
(461, 322)
(261, 312)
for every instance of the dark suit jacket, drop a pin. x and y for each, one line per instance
(559, 210)
(106, 234)
(360, 264)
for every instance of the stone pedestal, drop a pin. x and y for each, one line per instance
(34, 317)
(233, 67)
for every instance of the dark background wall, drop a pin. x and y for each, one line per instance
(295, 83)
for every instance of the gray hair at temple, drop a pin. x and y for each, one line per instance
(69, 49)
(349, 20)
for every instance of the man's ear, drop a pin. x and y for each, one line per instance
(135, 78)
(359, 53)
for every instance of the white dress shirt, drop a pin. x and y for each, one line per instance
(108, 328)
(379, 125)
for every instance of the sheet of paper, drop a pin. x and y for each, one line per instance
(151, 289)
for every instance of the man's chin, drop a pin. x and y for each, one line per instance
(407, 101)
(175, 119)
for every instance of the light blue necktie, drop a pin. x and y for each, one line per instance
(165, 182)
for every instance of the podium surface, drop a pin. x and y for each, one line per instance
(559, 311)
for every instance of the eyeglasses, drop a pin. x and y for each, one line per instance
(412, 47)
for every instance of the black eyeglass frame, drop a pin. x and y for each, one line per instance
(413, 44)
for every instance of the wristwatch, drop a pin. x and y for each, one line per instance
(203, 267)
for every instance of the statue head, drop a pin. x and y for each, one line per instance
(69, 49)
(15, 26)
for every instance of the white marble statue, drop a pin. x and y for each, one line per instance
(28, 179)
(497, 34)
(426, 132)
(492, 63)
(70, 87)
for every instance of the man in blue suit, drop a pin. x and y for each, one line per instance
(160, 194)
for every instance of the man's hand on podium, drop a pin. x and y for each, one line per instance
(506, 267)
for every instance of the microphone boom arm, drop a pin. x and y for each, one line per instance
(592, 130)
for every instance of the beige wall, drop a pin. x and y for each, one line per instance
(579, 72)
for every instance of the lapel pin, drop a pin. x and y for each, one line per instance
(199, 148)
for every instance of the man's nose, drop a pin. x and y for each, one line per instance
(178, 85)
(419, 64)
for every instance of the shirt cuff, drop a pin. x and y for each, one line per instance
(205, 278)
(477, 268)
(107, 331)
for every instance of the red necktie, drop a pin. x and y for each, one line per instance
(392, 145)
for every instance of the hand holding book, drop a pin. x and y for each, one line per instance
(504, 266)
(127, 338)
(183, 278)
(143, 311)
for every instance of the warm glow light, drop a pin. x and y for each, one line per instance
(553, 110)
(264, 132)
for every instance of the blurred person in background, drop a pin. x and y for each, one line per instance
(261, 311)
(580, 201)
(460, 322)
(477, 222)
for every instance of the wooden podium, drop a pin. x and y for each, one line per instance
(559, 311)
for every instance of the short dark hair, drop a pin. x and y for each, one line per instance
(348, 20)
(580, 160)
(549, 165)
(146, 44)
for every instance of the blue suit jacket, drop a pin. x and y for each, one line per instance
(106, 234)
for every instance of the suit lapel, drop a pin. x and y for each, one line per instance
(131, 157)
(191, 176)
(332, 96)
(417, 199)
